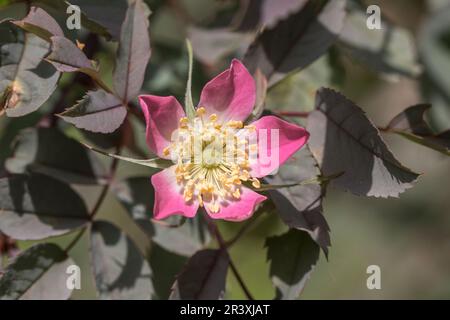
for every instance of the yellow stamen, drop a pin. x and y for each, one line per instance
(256, 183)
(201, 111)
(213, 117)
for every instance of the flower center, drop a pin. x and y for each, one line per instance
(212, 159)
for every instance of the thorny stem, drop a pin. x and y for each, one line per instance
(214, 230)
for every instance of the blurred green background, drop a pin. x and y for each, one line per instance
(409, 237)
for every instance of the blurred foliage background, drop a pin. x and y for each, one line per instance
(409, 237)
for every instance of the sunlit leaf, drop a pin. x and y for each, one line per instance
(120, 270)
(40, 23)
(34, 207)
(49, 151)
(26, 81)
(297, 91)
(134, 52)
(296, 41)
(203, 277)
(98, 111)
(300, 207)
(343, 139)
(292, 258)
(389, 50)
(38, 273)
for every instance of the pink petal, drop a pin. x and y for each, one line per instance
(291, 138)
(238, 210)
(169, 196)
(231, 95)
(162, 115)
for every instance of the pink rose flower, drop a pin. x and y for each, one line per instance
(218, 184)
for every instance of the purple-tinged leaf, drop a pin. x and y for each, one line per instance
(297, 41)
(102, 16)
(35, 207)
(67, 57)
(300, 207)
(344, 140)
(411, 124)
(203, 277)
(26, 81)
(265, 13)
(48, 151)
(120, 270)
(133, 53)
(39, 22)
(292, 258)
(98, 111)
(136, 194)
(38, 273)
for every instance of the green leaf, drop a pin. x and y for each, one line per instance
(133, 53)
(297, 41)
(188, 103)
(212, 45)
(343, 139)
(38, 273)
(48, 151)
(300, 207)
(137, 196)
(34, 207)
(411, 124)
(297, 91)
(203, 277)
(98, 111)
(26, 81)
(292, 258)
(390, 50)
(120, 270)
(40, 23)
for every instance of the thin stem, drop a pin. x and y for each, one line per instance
(293, 114)
(242, 231)
(214, 230)
(98, 203)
